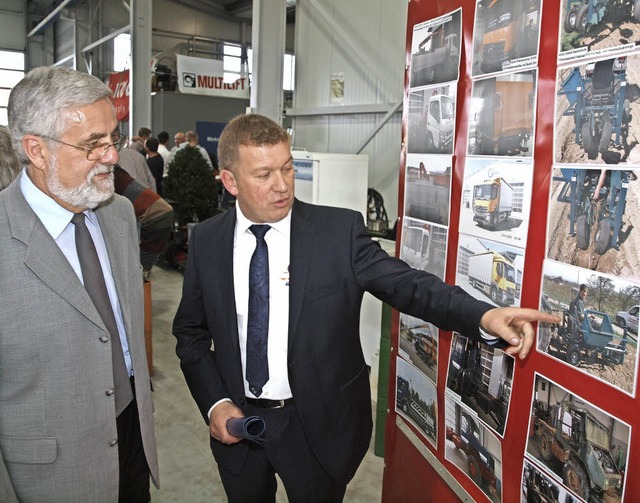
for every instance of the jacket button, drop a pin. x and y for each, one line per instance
(104, 338)
(109, 392)
(113, 442)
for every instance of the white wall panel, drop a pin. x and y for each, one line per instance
(373, 72)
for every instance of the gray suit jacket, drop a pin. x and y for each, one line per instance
(57, 425)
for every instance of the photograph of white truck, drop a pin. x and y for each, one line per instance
(492, 202)
(432, 120)
(490, 271)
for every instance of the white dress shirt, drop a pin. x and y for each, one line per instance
(244, 244)
(57, 221)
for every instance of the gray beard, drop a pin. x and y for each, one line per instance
(89, 195)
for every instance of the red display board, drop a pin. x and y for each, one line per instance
(409, 476)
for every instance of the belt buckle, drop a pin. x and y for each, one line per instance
(280, 404)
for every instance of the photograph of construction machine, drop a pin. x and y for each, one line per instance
(597, 202)
(474, 449)
(435, 50)
(591, 220)
(501, 119)
(574, 440)
(432, 120)
(505, 34)
(416, 399)
(586, 338)
(481, 376)
(496, 199)
(418, 343)
(428, 188)
(490, 271)
(593, 96)
(598, 24)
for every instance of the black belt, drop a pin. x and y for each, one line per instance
(265, 403)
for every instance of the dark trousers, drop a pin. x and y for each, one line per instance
(287, 453)
(134, 471)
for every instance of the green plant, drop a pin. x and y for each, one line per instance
(191, 184)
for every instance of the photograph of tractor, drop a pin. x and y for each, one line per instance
(468, 439)
(581, 15)
(574, 440)
(595, 99)
(597, 200)
(586, 338)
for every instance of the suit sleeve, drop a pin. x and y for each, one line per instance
(194, 340)
(7, 493)
(411, 291)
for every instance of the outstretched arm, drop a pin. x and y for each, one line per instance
(513, 324)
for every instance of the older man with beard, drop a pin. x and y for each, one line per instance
(76, 420)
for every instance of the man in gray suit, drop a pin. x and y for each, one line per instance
(72, 428)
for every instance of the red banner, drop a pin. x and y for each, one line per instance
(119, 85)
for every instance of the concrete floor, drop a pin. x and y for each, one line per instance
(188, 472)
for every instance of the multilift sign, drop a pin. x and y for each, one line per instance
(205, 76)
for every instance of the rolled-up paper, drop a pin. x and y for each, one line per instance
(250, 428)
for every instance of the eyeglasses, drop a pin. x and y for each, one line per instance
(99, 151)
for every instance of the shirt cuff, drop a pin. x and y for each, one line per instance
(215, 405)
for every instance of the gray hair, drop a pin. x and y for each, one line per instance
(42, 102)
(9, 162)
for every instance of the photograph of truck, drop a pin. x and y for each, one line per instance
(473, 448)
(431, 121)
(418, 344)
(592, 27)
(490, 271)
(595, 105)
(587, 338)
(496, 199)
(428, 188)
(501, 118)
(577, 442)
(424, 246)
(591, 215)
(481, 377)
(435, 50)
(539, 487)
(505, 35)
(416, 400)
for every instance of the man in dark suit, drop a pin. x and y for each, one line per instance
(316, 402)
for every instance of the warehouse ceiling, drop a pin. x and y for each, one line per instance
(235, 10)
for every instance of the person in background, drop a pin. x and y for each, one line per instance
(192, 140)
(9, 163)
(76, 417)
(137, 167)
(577, 305)
(163, 139)
(137, 142)
(155, 162)
(268, 324)
(154, 214)
(180, 142)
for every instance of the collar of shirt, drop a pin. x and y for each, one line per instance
(243, 223)
(54, 217)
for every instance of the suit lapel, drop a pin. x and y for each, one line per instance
(43, 256)
(302, 238)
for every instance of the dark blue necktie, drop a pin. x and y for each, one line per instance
(258, 320)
